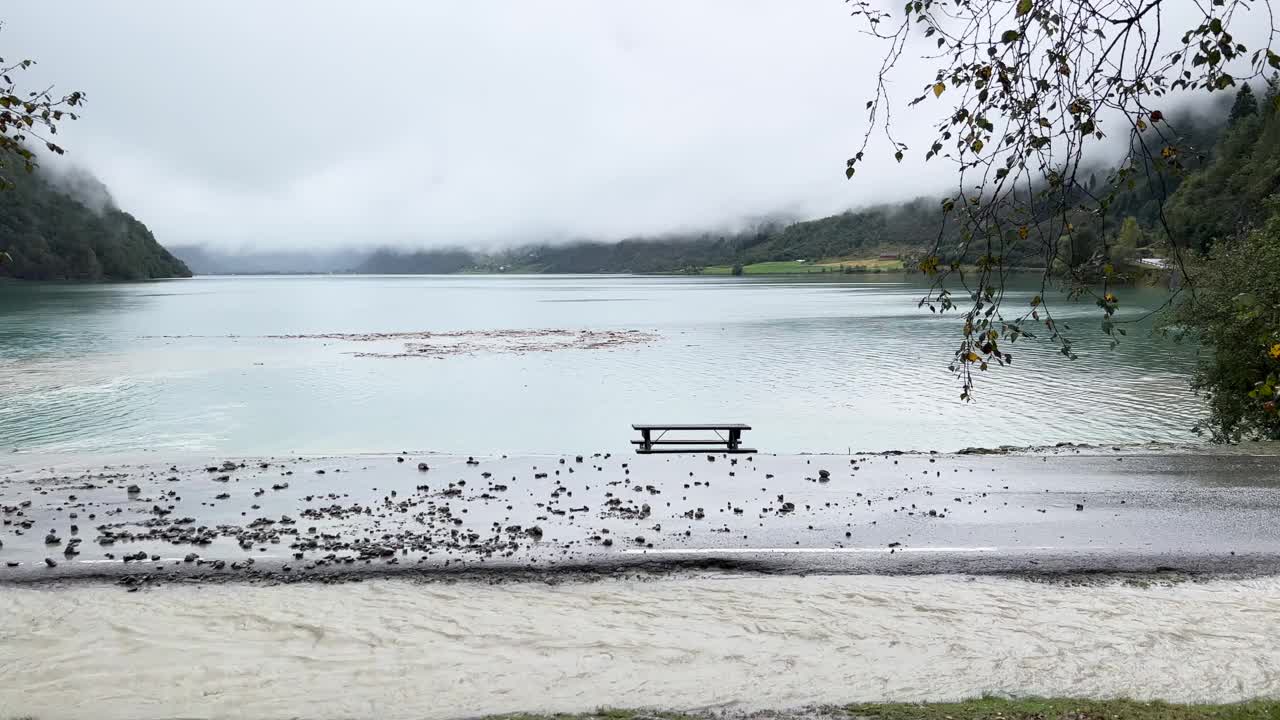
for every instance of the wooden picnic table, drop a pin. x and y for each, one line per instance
(731, 440)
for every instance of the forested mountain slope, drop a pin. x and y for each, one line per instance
(56, 227)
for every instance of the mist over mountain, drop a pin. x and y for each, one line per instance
(212, 261)
(64, 226)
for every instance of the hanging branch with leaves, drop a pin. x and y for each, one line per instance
(28, 118)
(1028, 86)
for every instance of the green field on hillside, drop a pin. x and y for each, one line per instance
(801, 267)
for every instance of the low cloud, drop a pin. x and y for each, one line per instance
(326, 124)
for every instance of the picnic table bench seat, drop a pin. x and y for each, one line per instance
(729, 441)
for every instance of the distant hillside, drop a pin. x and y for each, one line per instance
(904, 228)
(863, 233)
(66, 227)
(421, 262)
(907, 230)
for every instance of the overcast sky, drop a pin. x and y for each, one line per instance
(331, 123)
(327, 123)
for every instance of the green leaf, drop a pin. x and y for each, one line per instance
(1010, 36)
(1024, 7)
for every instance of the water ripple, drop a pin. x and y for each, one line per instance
(813, 366)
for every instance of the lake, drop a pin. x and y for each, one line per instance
(275, 365)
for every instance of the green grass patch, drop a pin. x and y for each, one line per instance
(801, 267)
(980, 709)
(1065, 709)
(872, 264)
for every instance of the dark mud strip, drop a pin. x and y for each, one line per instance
(596, 515)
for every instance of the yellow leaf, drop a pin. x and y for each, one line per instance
(938, 89)
(971, 357)
(1023, 232)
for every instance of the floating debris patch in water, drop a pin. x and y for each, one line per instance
(465, 342)
(440, 345)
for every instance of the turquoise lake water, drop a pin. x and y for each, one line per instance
(826, 364)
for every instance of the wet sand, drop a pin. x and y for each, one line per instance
(599, 514)
(471, 586)
(401, 649)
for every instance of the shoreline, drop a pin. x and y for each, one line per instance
(1073, 513)
(27, 458)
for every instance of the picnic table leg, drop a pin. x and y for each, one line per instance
(648, 443)
(735, 438)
